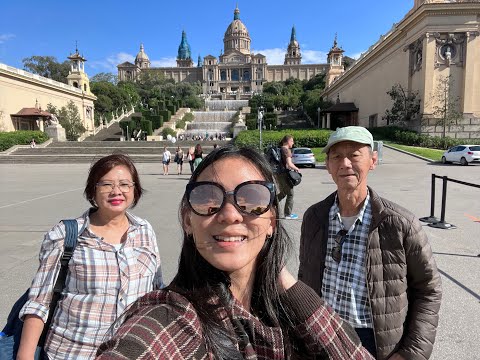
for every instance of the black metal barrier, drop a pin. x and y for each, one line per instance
(432, 220)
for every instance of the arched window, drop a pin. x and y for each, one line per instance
(246, 75)
(235, 75)
(75, 84)
(223, 75)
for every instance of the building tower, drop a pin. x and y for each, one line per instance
(142, 60)
(335, 61)
(184, 57)
(236, 36)
(293, 55)
(77, 76)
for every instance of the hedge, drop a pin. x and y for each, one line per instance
(166, 115)
(412, 138)
(157, 121)
(168, 131)
(146, 126)
(303, 138)
(21, 137)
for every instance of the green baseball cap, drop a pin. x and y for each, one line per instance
(357, 134)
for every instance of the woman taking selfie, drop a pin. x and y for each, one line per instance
(232, 297)
(115, 261)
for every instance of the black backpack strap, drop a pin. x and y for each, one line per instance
(70, 241)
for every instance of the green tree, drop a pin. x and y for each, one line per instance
(445, 105)
(405, 107)
(69, 118)
(105, 77)
(47, 66)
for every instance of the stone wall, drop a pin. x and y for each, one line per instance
(467, 128)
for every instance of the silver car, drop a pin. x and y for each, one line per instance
(463, 154)
(303, 156)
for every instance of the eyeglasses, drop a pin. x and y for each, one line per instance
(107, 187)
(337, 249)
(251, 197)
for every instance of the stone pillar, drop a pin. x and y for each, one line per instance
(328, 121)
(324, 125)
(470, 90)
(428, 64)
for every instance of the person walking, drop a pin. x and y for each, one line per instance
(197, 156)
(179, 160)
(369, 258)
(285, 188)
(191, 157)
(232, 297)
(166, 156)
(115, 261)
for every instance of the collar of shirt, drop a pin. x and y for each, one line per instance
(335, 212)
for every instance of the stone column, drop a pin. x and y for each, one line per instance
(328, 121)
(470, 91)
(428, 65)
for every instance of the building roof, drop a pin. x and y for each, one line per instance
(32, 112)
(342, 107)
(126, 64)
(141, 56)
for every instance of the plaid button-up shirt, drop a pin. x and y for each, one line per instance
(165, 325)
(102, 282)
(344, 284)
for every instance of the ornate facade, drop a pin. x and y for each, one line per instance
(434, 52)
(237, 71)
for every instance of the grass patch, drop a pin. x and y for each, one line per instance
(319, 156)
(432, 154)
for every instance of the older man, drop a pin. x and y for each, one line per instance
(369, 257)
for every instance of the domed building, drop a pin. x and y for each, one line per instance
(237, 72)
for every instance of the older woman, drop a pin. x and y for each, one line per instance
(232, 297)
(115, 261)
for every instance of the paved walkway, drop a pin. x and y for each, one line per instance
(35, 197)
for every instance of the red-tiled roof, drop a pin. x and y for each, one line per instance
(26, 112)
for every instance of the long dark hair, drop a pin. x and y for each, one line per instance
(198, 281)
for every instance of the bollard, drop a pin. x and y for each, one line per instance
(431, 218)
(442, 224)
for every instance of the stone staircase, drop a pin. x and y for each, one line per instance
(173, 121)
(113, 133)
(89, 151)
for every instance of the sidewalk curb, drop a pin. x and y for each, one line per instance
(409, 153)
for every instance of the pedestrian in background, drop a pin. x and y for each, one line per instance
(166, 156)
(191, 157)
(198, 156)
(179, 160)
(285, 188)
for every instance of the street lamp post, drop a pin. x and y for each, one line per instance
(260, 124)
(127, 134)
(318, 116)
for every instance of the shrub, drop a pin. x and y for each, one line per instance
(146, 126)
(21, 137)
(131, 126)
(168, 131)
(188, 116)
(157, 121)
(306, 138)
(166, 115)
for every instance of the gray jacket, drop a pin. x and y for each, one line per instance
(403, 282)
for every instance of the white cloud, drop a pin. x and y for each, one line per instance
(313, 57)
(275, 56)
(5, 37)
(164, 62)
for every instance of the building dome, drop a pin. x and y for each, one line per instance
(141, 56)
(236, 36)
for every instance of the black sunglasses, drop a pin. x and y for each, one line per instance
(337, 249)
(250, 197)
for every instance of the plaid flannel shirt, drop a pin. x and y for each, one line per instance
(345, 283)
(102, 281)
(164, 325)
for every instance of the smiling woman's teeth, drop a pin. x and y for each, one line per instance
(229, 238)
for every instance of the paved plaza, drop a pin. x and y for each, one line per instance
(35, 197)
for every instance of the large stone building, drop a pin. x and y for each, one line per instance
(237, 71)
(433, 51)
(24, 96)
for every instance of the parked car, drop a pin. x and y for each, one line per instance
(464, 154)
(303, 156)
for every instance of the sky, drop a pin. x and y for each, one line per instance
(109, 32)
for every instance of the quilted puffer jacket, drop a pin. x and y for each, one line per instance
(403, 282)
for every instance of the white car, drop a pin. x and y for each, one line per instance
(463, 154)
(303, 156)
